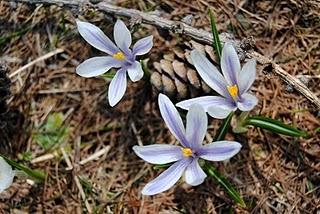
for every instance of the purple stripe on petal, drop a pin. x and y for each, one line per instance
(247, 102)
(209, 73)
(230, 64)
(167, 178)
(247, 76)
(219, 151)
(117, 87)
(159, 153)
(194, 175)
(172, 118)
(95, 37)
(142, 46)
(97, 65)
(122, 36)
(196, 126)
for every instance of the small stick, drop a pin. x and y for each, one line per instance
(134, 129)
(46, 56)
(95, 156)
(44, 157)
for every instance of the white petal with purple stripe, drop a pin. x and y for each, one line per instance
(230, 64)
(159, 153)
(117, 87)
(97, 65)
(6, 175)
(142, 46)
(122, 36)
(196, 126)
(135, 71)
(172, 119)
(194, 175)
(247, 102)
(167, 178)
(219, 151)
(209, 73)
(247, 76)
(95, 37)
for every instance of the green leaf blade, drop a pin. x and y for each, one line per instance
(232, 192)
(38, 175)
(216, 40)
(223, 129)
(275, 126)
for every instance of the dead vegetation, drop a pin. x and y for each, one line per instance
(275, 174)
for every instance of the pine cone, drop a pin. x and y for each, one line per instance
(175, 76)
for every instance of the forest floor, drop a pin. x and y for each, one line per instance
(274, 174)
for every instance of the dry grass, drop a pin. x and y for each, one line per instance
(275, 174)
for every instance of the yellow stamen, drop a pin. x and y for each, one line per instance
(233, 90)
(187, 152)
(119, 56)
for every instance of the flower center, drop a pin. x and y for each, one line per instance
(233, 90)
(119, 56)
(187, 152)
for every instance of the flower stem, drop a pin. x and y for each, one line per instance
(213, 172)
(223, 129)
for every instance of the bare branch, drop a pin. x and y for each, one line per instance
(243, 47)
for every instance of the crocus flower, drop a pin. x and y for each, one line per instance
(6, 175)
(120, 57)
(232, 86)
(187, 155)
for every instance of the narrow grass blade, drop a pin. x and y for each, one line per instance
(223, 129)
(232, 192)
(32, 173)
(275, 126)
(216, 41)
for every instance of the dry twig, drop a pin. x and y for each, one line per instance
(46, 56)
(181, 28)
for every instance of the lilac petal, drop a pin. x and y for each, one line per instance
(196, 126)
(142, 46)
(247, 76)
(194, 175)
(159, 153)
(135, 71)
(172, 118)
(209, 73)
(6, 175)
(220, 112)
(247, 102)
(97, 65)
(122, 36)
(117, 87)
(219, 151)
(205, 102)
(167, 178)
(95, 37)
(230, 64)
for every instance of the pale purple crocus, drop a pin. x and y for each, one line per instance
(233, 85)
(120, 57)
(187, 155)
(6, 175)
